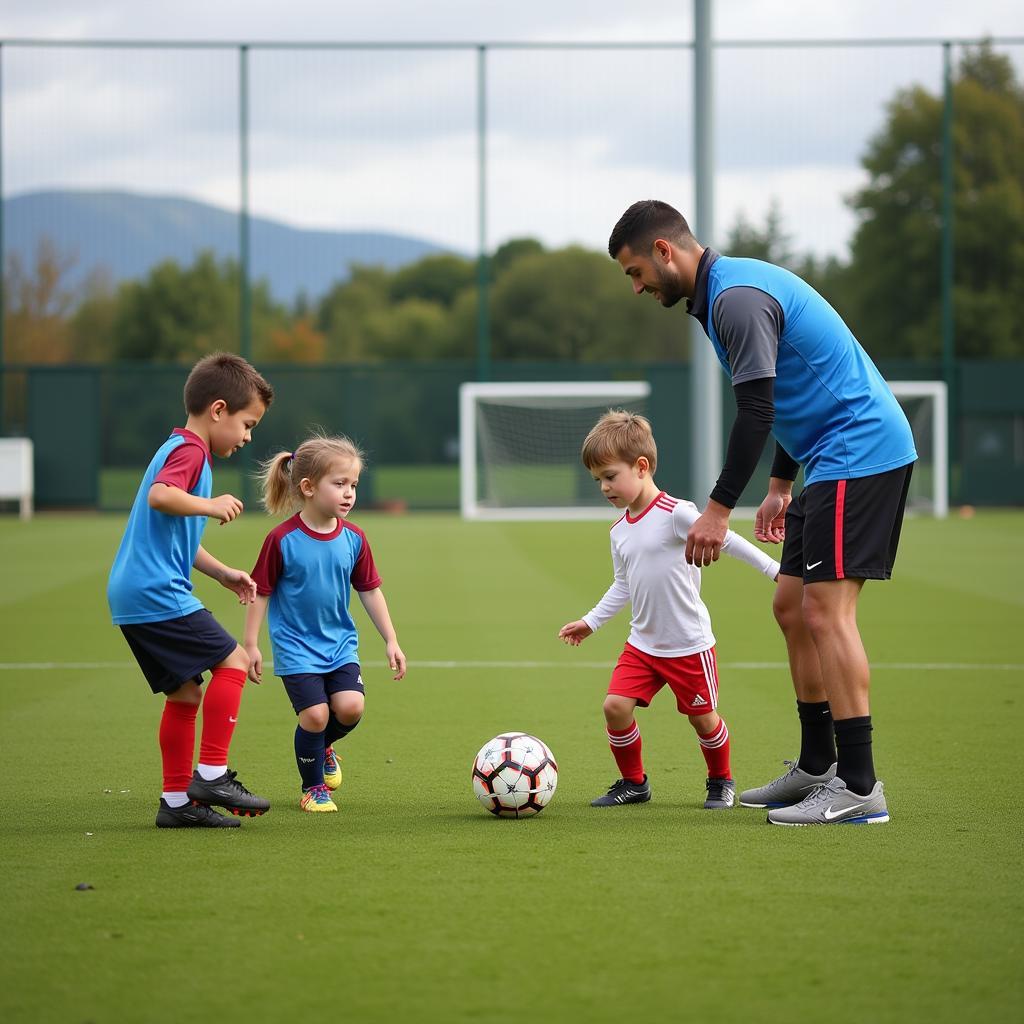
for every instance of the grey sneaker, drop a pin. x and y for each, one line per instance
(721, 794)
(834, 804)
(787, 789)
(624, 792)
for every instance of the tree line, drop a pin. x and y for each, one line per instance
(572, 303)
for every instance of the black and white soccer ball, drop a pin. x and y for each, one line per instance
(515, 775)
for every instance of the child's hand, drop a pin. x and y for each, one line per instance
(574, 633)
(255, 663)
(225, 507)
(396, 659)
(240, 583)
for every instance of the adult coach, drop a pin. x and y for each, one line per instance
(797, 371)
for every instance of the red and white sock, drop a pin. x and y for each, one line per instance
(220, 713)
(626, 748)
(177, 744)
(715, 748)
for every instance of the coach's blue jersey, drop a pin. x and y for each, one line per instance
(150, 580)
(834, 412)
(309, 577)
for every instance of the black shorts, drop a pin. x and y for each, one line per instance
(846, 529)
(309, 688)
(178, 651)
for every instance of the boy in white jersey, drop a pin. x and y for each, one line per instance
(670, 640)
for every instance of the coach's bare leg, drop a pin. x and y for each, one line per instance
(830, 614)
(804, 660)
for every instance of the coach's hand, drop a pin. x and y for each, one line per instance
(770, 521)
(705, 538)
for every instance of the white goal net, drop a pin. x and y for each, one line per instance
(519, 447)
(925, 404)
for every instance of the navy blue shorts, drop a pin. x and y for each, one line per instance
(846, 529)
(178, 651)
(308, 688)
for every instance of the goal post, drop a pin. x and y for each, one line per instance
(519, 447)
(926, 405)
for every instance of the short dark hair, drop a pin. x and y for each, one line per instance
(645, 221)
(226, 376)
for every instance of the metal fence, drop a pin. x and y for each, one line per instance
(459, 145)
(95, 427)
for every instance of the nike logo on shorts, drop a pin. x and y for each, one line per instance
(815, 566)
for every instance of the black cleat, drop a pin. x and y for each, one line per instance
(624, 792)
(227, 792)
(721, 794)
(191, 816)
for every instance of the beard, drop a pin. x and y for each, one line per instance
(670, 288)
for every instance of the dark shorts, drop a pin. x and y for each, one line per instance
(308, 688)
(846, 529)
(178, 651)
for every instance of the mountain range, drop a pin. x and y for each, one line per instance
(128, 233)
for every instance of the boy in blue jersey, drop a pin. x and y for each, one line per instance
(306, 570)
(173, 637)
(798, 371)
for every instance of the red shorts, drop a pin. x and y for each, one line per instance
(693, 679)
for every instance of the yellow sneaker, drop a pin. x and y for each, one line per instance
(332, 769)
(318, 801)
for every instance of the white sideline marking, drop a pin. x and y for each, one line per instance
(894, 666)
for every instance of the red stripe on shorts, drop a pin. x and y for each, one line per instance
(840, 506)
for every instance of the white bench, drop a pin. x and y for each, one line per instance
(16, 472)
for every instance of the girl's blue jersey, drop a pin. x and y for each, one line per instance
(309, 577)
(834, 412)
(150, 580)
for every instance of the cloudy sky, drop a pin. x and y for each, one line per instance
(386, 138)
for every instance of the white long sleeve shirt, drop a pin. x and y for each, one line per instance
(651, 573)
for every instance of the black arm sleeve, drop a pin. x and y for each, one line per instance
(784, 466)
(755, 414)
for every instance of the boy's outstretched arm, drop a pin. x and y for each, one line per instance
(377, 608)
(173, 501)
(238, 582)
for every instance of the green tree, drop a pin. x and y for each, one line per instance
(180, 313)
(575, 304)
(438, 278)
(896, 248)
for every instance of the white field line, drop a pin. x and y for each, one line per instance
(892, 666)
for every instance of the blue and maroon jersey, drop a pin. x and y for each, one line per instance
(151, 578)
(309, 577)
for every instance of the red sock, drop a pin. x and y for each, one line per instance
(715, 748)
(626, 747)
(220, 713)
(178, 744)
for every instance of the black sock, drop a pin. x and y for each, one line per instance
(309, 756)
(853, 743)
(817, 740)
(337, 730)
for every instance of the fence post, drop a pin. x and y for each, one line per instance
(947, 270)
(483, 325)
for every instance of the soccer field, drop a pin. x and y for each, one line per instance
(413, 903)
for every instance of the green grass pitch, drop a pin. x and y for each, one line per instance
(413, 903)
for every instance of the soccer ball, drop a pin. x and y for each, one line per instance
(514, 775)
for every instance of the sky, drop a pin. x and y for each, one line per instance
(387, 138)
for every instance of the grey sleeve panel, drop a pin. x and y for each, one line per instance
(749, 324)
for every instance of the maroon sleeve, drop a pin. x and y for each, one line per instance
(364, 572)
(268, 565)
(182, 467)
